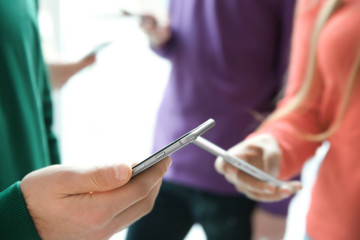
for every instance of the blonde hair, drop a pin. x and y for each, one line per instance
(327, 10)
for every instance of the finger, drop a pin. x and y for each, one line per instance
(270, 157)
(241, 178)
(115, 222)
(135, 212)
(98, 179)
(220, 165)
(254, 155)
(294, 186)
(238, 177)
(138, 188)
(278, 194)
(263, 197)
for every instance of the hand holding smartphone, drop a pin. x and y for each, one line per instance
(237, 162)
(173, 147)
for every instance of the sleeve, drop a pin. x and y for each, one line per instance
(295, 150)
(289, 130)
(15, 220)
(333, 69)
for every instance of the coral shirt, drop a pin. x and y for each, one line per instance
(335, 207)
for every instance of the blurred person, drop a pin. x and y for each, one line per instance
(228, 62)
(321, 103)
(56, 202)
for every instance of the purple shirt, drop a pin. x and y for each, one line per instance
(228, 60)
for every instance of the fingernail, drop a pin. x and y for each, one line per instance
(122, 172)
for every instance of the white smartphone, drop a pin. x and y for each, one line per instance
(237, 162)
(173, 147)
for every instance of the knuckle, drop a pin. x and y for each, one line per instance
(162, 168)
(274, 156)
(142, 190)
(95, 177)
(100, 177)
(97, 220)
(149, 205)
(256, 149)
(150, 201)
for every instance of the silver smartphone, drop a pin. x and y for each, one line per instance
(173, 147)
(237, 162)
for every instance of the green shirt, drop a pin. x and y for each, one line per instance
(26, 139)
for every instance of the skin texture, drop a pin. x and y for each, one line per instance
(263, 152)
(94, 203)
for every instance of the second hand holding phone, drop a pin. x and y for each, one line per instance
(237, 162)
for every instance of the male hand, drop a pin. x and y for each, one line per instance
(263, 152)
(72, 203)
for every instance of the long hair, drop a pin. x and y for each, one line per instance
(325, 13)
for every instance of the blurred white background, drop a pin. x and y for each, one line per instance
(106, 113)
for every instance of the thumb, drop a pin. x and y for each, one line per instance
(101, 179)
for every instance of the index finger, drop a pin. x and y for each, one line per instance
(278, 194)
(240, 179)
(136, 189)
